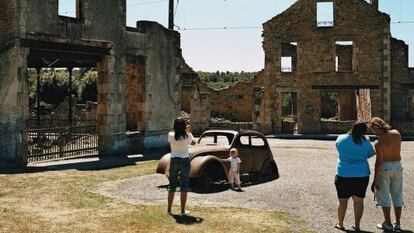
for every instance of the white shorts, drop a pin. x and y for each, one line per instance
(391, 182)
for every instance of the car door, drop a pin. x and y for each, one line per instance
(245, 153)
(259, 152)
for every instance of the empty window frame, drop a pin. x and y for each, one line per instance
(289, 57)
(329, 105)
(69, 8)
(324, 14)
(344, 56)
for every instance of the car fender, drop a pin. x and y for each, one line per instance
(163, 166)
(199, 164)
(273, 162)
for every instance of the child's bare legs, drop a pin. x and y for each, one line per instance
(231, 179)
(237, 179)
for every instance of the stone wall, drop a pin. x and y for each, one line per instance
(355, 21)
(7, 20)
(336, 127)
(97, 36)
(363, 102)
(233, 103)
(200, 111)
(135, 76)
(400, 82)
(405, 128)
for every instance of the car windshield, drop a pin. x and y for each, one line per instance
(216, 139)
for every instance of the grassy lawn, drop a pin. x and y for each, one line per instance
(63, 201)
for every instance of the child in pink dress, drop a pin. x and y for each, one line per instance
(234, 172)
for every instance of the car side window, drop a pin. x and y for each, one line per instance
(258, 142)
(207, 140)
(244, 141)
(222, 140)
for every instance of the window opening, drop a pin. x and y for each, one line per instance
(344, 56)
(289, 57)
(68, 8)
(324, 14)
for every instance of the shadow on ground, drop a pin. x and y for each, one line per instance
(187, 219)
(362, 231)
(82, 164)
(223, 185)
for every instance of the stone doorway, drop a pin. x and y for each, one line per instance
(289, 112)
(61, 123)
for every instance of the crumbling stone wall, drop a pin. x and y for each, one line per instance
(347, 105)
(201, 111)
(363, 103)
(234, 103)
(355, 21)
(401, 83)
(97, 36)
(7, 20)
(135, 76)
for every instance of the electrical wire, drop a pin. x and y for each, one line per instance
(146, 3)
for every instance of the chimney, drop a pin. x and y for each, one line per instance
(374, 3)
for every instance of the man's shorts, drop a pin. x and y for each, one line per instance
(347, 187)
(179, 167)
(391, 182)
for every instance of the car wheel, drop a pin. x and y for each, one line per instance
(211, 175)
(269, 171)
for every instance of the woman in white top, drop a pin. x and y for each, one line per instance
(180, 162)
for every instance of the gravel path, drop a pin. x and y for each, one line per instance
(305, 188)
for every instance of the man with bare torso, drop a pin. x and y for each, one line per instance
(388, 172)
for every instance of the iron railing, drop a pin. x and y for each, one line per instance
(54, 140)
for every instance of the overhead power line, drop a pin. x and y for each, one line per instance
(217, 28)
(146, 3)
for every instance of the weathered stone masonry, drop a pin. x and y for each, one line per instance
(355, 57)
(146, 59)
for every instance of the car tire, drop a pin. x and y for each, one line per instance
(211, 174)
(269, 171)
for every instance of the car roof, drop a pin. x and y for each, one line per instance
(243, 132)
(221, 131)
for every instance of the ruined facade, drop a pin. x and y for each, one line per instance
(138, 84)
(349, 52)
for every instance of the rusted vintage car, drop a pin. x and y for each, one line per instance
(207, 164)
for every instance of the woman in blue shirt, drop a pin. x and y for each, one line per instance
(352, 174)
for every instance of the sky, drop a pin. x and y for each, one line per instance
(237, 49)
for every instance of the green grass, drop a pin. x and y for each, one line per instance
(64, 201)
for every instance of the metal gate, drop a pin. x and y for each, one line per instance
(57, 139)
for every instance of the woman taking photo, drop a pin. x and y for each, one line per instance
(179, 140)
(352, 174)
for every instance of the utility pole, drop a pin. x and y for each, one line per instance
(171, 15)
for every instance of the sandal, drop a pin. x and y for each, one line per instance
(356, 229)
(337, 226)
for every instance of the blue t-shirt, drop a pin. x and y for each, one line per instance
(353, 158)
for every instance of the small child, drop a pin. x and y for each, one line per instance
(234, 172)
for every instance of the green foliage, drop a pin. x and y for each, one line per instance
(287, 104)
(54, 85)
(218, 80)
(89, 86)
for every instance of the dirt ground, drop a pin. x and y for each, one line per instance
(305, 188)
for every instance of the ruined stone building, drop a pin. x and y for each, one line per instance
(342, 48)
(138, 84)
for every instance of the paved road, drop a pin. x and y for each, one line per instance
(305, 188)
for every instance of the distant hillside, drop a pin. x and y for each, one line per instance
(218, 80)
